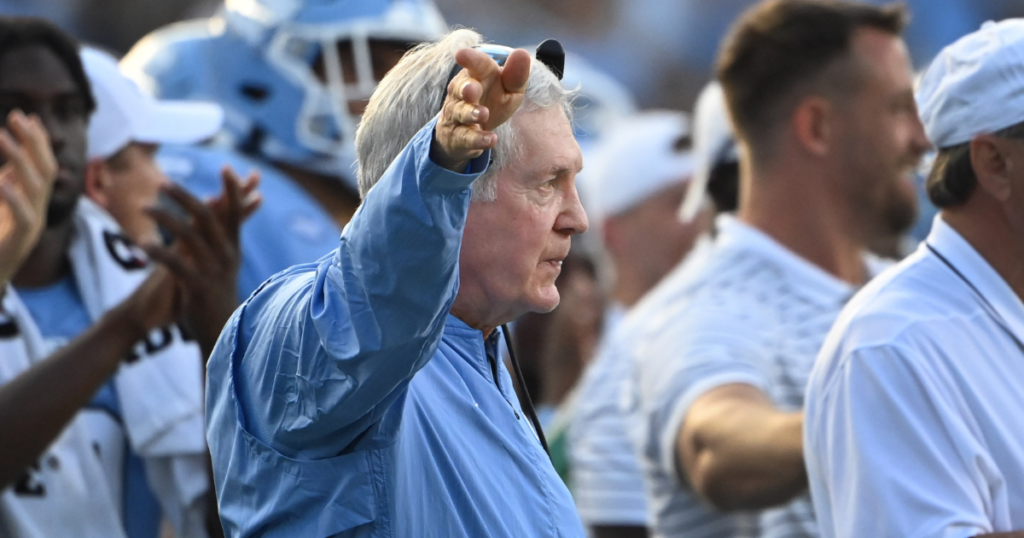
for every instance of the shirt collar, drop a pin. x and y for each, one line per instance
(475, 349)
(979, 274)
(812, 279)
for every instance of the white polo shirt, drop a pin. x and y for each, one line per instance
(751, 312)
(607, 481)
(914, 425)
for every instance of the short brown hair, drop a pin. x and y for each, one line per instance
(779, 49)
(952, 178)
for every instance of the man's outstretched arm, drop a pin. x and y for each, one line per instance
(323, 351)
(739, 452)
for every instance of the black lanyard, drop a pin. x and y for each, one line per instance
(992, 310)
(530, 411)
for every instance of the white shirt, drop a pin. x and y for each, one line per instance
(752, 312)
(915, 412)
(70, 489)
(607, 482)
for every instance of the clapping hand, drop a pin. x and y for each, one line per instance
(201, 266)
(26, 180)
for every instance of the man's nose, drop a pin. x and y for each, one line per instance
(573, 218)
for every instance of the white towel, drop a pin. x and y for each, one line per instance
(160, 391)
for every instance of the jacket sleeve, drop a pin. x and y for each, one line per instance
(322, 351)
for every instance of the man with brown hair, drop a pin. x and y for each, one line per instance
(820, 95)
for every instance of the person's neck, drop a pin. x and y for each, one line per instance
(48, 262)
(472, 321)
(332, 195)
(793, 206)
(992, 237)
(474, 309)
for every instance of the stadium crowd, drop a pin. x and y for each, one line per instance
(333, 268)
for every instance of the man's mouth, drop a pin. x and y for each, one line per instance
(555, 262)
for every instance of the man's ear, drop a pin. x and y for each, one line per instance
(812, 124)
(992, 166)
(98, 182)
(611, 234)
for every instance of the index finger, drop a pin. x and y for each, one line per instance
(252, 181)
(27, 176)
(32, 135)
(479, 65)
(516, 73)
(232, 197)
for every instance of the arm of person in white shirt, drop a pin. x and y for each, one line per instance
(739, 452)
(73, 373)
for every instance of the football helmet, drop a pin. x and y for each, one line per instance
(292, 75)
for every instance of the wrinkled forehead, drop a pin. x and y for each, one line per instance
(547, 141)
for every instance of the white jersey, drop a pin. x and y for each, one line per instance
(607, 477)
(914, 424)
(751, 312)
(72, 489)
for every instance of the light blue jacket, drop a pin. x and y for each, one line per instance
(344, 400)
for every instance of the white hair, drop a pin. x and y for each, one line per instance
(411, 94)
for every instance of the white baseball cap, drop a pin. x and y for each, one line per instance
(124, 114)
(975, 85)
(713, 143)
(636, 159)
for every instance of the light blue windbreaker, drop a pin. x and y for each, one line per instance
(344, 400)
(289, 228)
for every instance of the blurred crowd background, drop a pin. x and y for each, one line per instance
(643, 60)
(662, 50)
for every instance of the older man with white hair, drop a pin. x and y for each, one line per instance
(362, 395)
(913, 422)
